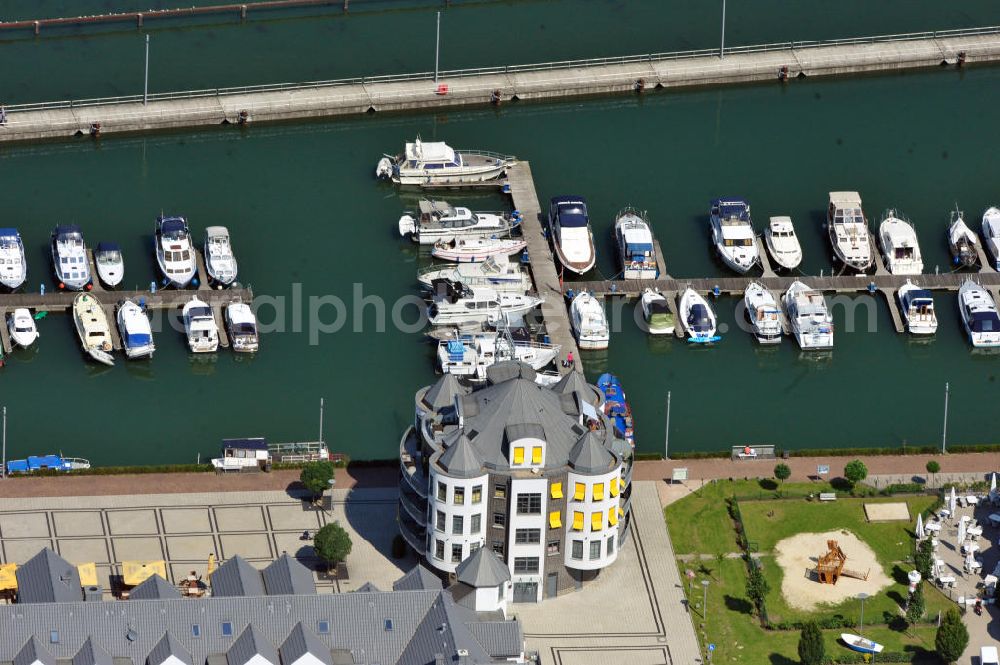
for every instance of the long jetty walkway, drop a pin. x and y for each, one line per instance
(240, 105)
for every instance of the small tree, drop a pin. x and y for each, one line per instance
(332, 543)
(923, 560)
(933, 467)
(812, 651)
(855, 471)
(316, 477)
(757, 586)
(915, 608)
(782, 472)
(952, 637)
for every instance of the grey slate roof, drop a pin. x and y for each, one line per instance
(48, 578)
(509, 369)
(443, 631)
(419, 578)
(500, 639)
(590, 456)
(461, 460)
(482, 569)
(153, 587)
(573, 383)
(236, 577)
(302, 641)
(368, 587)
(33, 652)
(165, 647)
(92, 654)
(443, 392)
(287, 576)
(250, 643)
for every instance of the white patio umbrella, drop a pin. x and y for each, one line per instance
(920, 527)
(970, 560)
(961, 532)
(953, 502)
(993, 482)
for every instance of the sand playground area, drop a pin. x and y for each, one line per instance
(797, 556)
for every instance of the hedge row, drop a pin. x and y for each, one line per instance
(832, 452)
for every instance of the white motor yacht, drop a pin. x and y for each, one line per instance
(241, 324)
(900, 245)
(656, 313)
(572, 237)
(69, 258)
(175, 253)
(979, 315)
(476, 250)
(423, 163)
(809, 317)
(635, 245)
(733, 234)
(13, 267)
(962, 241)
(589, 322)
(439, 220)
(991, 235)
(454, 303)
(109, 263)
(137, 334)
(92, 328)
(199, 326)
(764, 313)
(469, 355)
(783, 243)
(697, 317)
(220, 262)
(496, 272)
(22, 328)
(848, 230)
(918, 309)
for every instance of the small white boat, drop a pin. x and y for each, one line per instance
(589, 322)
(199, 327)
(21, 325)
(109, 263)
(635, 245)
(474, 250)
(782, 243)
(764, 313)
(69, 258)
(92, 328)
(991, 235)
(979, 315)
(241, 324)
(454, 303)
(572, 237)
(656, 313)
(809, 317)
(13, 267)
(175, 253)
(861, 644)
(918, 309)
(697, 317)
(962, 241)
(900, 246)
(733, 234)
(848, 230)
(469, 356)
(439, 220)
(432, 163)
(137, 334)
(496, 272)
(220, 262)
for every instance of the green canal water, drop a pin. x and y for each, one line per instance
(307, 218)
(395, 36)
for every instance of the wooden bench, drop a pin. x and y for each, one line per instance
(827, 496)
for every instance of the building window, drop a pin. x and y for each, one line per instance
(323, 627)
(552, 548)
(456, 553)
(499, 520)
(459, 496)
(525, 564)
(597, 521)
(527, 536)
(555, 519)
(577, 551)
(498, 549)
(536, 455)
(442, 491)
(518, 454)
(556, 489)
(577, 521)
(227, 628)
(611, 546)
(195, 630)
(500, 492)
(580, 492)
(529, 504)
(477, 524)
(598, 492)
(614, 486)
(595, 549)
(439, 523)
(474, 546)
(439, 549)
(477, 494)
(457, 525)
(54, 636)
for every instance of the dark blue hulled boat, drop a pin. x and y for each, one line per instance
(49, 462)
(616, 406)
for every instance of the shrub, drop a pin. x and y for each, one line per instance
(782, 472)
(811, 648)
(903, 488)
(757, 586)
(952, 637)
(855, 471)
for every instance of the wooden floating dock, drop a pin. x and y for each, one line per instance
(407, 92)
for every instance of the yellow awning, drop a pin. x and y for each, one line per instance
(596, 521)
(555, 519)
(137, 572)
(580, 493)
(536, 455)
(621, 513)
(599, 492)
(8, 579)
(613, 516)
(88, 574)
(614, 486)
(578, 521)
(519, 455)
(557, 491)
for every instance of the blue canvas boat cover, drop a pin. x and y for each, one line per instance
(172, 225)
(108, 247)
(135, 340)
(66, 229)
(984, 322)
(8, 233)
(921, 294)
(731, 207)
(255, 443)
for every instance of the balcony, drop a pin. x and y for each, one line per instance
(413, 504)
(412, 532)
(410, 464)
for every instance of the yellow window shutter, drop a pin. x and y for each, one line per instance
(577, 521)
(613, 516)
(557, 490)
(614, 487)
(580, 493)
(599, 492)
(596, 521)
(518, 455)
(555, 519)
(536, 455)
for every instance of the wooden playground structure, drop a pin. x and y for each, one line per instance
(830, 566)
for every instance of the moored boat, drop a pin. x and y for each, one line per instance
(51, 462)
(241, 325)
(979, 315)
(918, 309)
(808, 316)
(137, 334)
(454, 303)
(900, 246)
(764, 313)
(589, 322)
(496, 272)
(431, 163)
(92, 328)
(13, 267)
(861, 644)
(439, 220)
(475, 250)
(962, 241)
(199, 326)
(22, 328)
(635, 245)
(782, 242)
(733, 234)
(697, 317)
(848, 230)
(109, 263)
(991, 235)
(69, 258)
(616, 406)
(656, 313)
(572, 237)
(175, 254)
(220, 261)
(469, 356)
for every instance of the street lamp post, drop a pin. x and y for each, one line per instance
(704, 600)
(861, 627)
(145, 86)
(437, 47)
(666, 438)
(722, 44)
(944, 431)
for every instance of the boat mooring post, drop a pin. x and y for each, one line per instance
(145, 86)
(722, 44)
(437, 47)
(666, 437)
(944, 432)
(321, 420)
